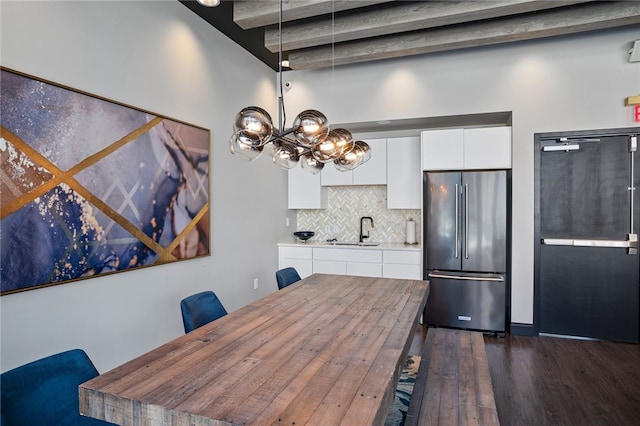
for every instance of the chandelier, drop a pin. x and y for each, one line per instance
(310, 141)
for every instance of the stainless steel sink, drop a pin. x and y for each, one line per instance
(353, 243)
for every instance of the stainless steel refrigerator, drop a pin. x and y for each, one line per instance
(466, 248)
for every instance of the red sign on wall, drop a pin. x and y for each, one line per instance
(636, 113)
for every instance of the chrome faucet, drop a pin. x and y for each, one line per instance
(362, 219)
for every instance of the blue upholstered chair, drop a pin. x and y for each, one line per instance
(200, 309)
(286, 276)
(45, 391)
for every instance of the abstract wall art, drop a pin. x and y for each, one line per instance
(89, 186)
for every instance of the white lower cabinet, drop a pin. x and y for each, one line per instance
(361, 269)
(329, 267)
(348, 261)
(300, 258)
(364, 269)
(401, 264)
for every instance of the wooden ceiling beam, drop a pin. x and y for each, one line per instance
(398, 17)
(561, 21)
(252, 13)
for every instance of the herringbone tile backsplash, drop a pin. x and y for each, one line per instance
(347, 204)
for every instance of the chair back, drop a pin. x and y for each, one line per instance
(200, 309)
(287, 276)
(45, 391)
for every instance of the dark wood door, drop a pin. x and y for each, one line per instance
(584, 195)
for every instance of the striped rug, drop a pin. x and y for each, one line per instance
(398, 411)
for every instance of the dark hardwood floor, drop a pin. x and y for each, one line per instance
(555, 381)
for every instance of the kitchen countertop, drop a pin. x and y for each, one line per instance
(380, 246)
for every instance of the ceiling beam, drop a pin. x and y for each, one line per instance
(252, 13)
(579, 18)
(398, 17)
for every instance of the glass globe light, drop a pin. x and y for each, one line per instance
(327, 150)
(358, 155)
(310, 128)
(343, 140)
(310, 164)
(244, 151)
(253, 126)
(364, 154)
(348, 160)
(285, 155)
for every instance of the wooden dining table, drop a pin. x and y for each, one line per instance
(327, 350)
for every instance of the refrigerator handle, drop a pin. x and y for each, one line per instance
(466, 220)
(464, 277)
(457, 216)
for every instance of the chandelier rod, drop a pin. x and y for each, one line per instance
(282, 115)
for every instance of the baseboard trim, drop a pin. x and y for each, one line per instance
(520, 329)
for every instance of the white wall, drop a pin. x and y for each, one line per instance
(161, 57)
(567, 83)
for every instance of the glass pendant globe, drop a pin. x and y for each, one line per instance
(310, 128)
(333, 146)
(325, 151)
(285, 155)
(310, 164)
(359, 154)
(253, 126)
(364, 153)
(342, 139)
(244, 151)
(348, 160)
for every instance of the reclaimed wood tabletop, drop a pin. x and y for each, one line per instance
(327, 350)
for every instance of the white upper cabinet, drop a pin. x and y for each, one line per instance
(404, 175)
(487, 148)
(442, 149)
(330, 176)
(466, 149)
(305, 191)
(373, 172)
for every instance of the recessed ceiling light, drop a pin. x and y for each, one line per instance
(384, 122)
(209, 3)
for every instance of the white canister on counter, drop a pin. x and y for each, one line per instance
(411, 231)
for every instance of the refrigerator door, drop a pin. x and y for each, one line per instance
(443, 227)
(462, 300)
(484, 219)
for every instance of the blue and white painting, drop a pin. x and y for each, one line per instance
(90, 186)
